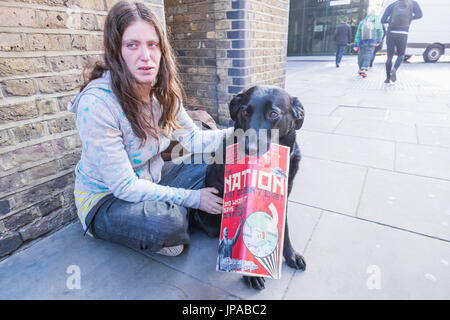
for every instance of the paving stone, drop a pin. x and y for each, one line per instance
(377, 129)
(349, 112)
(408, 202)
(328, 185)
(419, 118)
(432, 135)
(302, 221)
(318, 109)
(354, 150)
(321, 123)
(107, 271)
(423, 160)
(353, 259)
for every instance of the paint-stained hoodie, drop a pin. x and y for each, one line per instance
(111, 159)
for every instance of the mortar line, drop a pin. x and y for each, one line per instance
(377, 168)
(362, 191)
(372, 221)
(194, 277)
(283, 297)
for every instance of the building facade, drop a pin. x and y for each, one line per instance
(312, 23)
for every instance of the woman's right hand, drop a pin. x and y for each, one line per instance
(209, 202)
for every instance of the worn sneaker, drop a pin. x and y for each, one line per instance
(393, 75)
(363, 73)
(171, 251)
(388, 80)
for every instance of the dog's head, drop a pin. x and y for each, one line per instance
(263, 108)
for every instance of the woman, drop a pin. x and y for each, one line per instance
(126, 114)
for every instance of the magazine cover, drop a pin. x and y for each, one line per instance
(253, 217)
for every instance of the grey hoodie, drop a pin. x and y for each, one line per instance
(111, 160)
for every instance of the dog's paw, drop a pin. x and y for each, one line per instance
(296, 261)
(255, 282)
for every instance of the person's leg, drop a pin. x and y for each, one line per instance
(187, 176)
(339, 54)
(400, 42)
(151, 226)
(192, 176)
(390, 48)
(368, 55)
(146, 226)
(377, 48)
(360, 57)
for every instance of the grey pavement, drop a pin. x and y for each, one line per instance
(370, 208)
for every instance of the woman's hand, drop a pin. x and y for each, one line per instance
(209, 202)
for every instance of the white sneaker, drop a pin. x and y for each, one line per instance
(171, 251)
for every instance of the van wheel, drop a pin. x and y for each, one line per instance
(432, 53)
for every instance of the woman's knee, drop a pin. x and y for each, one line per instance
(170, 221)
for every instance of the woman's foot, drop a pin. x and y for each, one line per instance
(171, 251)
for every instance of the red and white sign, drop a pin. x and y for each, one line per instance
(254, 211)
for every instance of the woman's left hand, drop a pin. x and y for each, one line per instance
(209, 202)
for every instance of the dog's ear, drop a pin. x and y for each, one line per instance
(234, 106)
(298, 112)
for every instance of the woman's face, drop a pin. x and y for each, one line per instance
(141, 51)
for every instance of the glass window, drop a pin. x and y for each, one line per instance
(312, 24)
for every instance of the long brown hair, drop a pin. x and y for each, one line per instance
(167, 88)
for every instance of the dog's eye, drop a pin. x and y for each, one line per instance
(273, 115)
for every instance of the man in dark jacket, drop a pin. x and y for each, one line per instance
(342, 37)
(399, 16)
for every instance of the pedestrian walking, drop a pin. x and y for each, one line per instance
(368, 36)
(342, 37)
(399, 16)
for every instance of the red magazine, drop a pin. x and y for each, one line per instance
(254, 211)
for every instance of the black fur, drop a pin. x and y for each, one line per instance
(253, 109)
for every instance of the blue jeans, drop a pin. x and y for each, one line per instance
(365, 55)
(148, 226)
(339, 52)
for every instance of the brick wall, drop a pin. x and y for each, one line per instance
(44, 45)
(249, 38)
(192, 25)
(223, 46)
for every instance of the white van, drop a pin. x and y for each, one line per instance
(430, 35)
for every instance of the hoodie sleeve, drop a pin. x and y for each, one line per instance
(104, 148)
(387, 14)
(196, 140)
(417, 11)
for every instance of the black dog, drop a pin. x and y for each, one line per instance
(260, 107)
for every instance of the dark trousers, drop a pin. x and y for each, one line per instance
(339, 52)
(148, 226)
(395, 41)
(377, 48)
